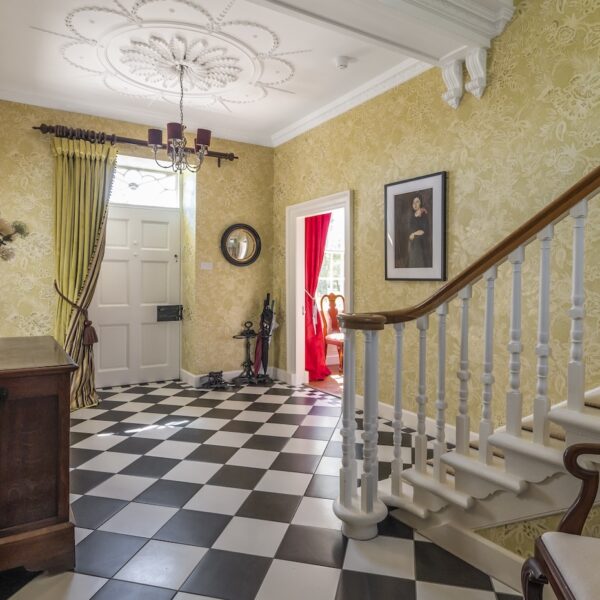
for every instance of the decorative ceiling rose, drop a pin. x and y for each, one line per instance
(136, 52)
(157, 62)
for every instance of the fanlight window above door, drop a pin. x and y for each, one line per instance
(140, 182)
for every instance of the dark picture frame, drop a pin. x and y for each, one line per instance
(415, 228)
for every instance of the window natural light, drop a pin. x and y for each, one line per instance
(331, 277)
(140, 182)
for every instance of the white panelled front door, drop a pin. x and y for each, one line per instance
(140, 271)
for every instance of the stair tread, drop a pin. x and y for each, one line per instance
(445, 490)
(557, 433)
(493, 472)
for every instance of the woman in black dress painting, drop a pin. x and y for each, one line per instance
(419, 244)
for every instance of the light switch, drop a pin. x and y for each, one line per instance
(206, 266)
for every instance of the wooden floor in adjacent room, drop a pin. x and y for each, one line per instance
(331, 385)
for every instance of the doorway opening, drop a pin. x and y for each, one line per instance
(332, 274)
(330, 301)
(141, 271)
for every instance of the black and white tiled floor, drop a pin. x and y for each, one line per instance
(187, 494)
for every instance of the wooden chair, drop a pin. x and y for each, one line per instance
(565, 559)
(331, 328)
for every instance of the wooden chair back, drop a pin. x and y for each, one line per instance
(330, 308)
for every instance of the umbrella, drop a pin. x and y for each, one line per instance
(261, 353)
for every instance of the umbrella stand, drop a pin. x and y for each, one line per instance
(247, 375)
(261, 355)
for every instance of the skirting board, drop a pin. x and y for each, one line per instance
(194, 380)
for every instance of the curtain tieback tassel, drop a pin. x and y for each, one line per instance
(315, 309)
(90, 337)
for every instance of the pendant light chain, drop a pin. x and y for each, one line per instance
(176, 144)
(181, 95)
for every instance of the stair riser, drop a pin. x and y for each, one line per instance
(428, 500)
(473, 485)
(554, 495)
(527, 467)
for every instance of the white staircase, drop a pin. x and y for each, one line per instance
(510, 473)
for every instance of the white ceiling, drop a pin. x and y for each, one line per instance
(259, 70)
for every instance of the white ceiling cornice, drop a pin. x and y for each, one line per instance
(403, 72)
(256, 71)
(485, 18)
(141, 116)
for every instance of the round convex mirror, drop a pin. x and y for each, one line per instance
(240, 244)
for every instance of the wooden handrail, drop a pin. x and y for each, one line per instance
(586, 186)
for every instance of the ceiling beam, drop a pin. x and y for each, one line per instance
(429, 30)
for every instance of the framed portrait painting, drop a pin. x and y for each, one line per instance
(415, 228)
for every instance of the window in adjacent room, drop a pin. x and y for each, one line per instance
(331, 277)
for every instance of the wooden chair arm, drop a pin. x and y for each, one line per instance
(575, 518)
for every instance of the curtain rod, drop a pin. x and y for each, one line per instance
(101, 137)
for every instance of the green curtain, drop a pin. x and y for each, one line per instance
(82, 183)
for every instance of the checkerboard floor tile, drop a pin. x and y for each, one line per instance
(176, 492)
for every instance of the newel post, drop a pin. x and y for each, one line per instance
(360, 513)
(397, 463)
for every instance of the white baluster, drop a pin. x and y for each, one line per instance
(370, 474)
(576, 370)
(348, 487)
(462, 419)
(421, 437)
(541, 405)
(514, 398)
(439, 446)
(486, 427)
(397, 462)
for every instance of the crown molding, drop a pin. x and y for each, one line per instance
(138, 117)
(485, 18)
(406, 70)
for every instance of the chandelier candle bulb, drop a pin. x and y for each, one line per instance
(154, 137)
(174, 131)
(203, 137)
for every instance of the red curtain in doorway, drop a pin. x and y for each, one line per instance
(315, 230)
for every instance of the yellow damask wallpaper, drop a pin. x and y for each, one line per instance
(520, 537)
(218, 300)
(226, 296)
(534, 133)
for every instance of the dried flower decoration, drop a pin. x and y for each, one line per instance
(8, 233)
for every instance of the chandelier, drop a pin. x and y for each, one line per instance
(181, 157)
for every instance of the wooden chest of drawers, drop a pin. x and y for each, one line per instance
(35, 531)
